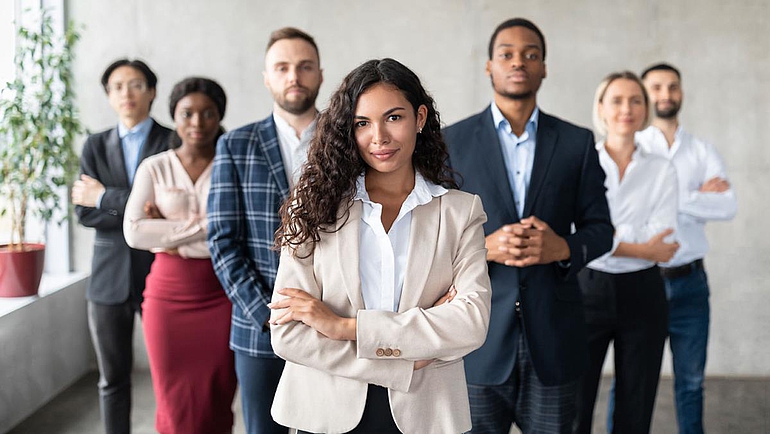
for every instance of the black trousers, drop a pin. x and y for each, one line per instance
(377, 418)
(630, 310)
(112, 332)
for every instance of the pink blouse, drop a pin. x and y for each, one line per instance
(162, 180)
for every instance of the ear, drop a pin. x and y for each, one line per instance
(264, 80)
(488, 69)
(422, 116)
(545, 70)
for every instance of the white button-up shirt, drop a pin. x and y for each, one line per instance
(382, 256)
(293, 149)
(642, 204)
(696, 162)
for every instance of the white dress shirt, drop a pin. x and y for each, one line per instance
(642, 204)
(696, 162)
(293, 149)
(382, 256)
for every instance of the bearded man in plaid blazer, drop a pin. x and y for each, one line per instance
(254, 168)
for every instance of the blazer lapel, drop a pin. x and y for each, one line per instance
(157, 141)
(347, 239)
(423, 241)
(544, 150)
(115, 158)
(493, 162)
(268, 140)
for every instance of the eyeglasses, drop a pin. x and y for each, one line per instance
(137, 86)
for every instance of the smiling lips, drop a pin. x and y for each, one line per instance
(384, 154)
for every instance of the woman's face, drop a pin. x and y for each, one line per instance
(196, 118)
(623, 108)
(386, 127)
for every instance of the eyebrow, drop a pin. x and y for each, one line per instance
(525, 47)
(384, 114)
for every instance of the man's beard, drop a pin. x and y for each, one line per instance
(668, 113)
(299, 106)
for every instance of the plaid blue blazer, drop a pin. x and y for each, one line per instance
(248, 185)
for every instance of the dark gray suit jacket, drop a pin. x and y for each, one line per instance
(117, 270)
(566, 188)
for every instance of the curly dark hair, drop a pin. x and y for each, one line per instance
(189, 85)
(327, 186)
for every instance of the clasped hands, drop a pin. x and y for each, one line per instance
(86, 191)
(529, 242)
(302, 307)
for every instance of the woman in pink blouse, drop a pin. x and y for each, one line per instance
(186, 314)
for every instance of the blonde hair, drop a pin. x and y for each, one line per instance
(599, 126)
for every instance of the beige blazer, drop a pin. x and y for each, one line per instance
(324, 384)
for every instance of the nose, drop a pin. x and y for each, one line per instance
(517, 60)
(379, 134)
(196, 120)
(292, 74)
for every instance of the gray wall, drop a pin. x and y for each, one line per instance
(722, 49)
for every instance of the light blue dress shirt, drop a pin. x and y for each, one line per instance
(518, 153)
(131, 141)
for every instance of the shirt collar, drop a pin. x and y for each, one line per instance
(638, 152)
(282, 126)
(499, 120)
(142, 128)
(423, 192)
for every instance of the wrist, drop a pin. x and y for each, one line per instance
(346, 329)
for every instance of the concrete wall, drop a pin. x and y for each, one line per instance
(722, 49)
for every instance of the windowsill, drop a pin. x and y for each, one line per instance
(49, 284)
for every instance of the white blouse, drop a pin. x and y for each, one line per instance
(163, 181)
(642, 204)
(382, 256)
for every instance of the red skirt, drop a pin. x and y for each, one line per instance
(186, 319)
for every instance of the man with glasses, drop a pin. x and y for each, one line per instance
(114, 294)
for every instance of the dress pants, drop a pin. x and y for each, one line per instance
(523, 400)
(630, 310)
(258, 379)
(112, 331)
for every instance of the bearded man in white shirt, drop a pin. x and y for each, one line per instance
(704, 194)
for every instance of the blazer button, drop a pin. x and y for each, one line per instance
(388, 352)
(396, 353)
(518, 306)
(380, 352)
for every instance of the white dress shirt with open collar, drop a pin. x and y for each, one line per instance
(382, 255)
(642, 204)
(696, 162)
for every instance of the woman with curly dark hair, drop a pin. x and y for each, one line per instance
(382, 286)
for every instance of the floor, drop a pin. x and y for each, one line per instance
(733, 406)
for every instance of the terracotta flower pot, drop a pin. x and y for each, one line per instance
(20, 271)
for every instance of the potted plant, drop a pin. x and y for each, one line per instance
(38, 122)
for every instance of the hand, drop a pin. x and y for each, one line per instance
(86, 191)
(151, 211)
(172, 252)
(534, 242)
(421, 364)
(446, 298)
(658, 250)
(303, 307)
(715, 185)
(499, 243)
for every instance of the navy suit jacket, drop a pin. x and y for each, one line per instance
(248, 186)
(116, 270)
(566, 188)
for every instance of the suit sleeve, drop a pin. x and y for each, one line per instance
(300, 344)
(593, 226)
(235, 269)
(110, 213)
(446, 332)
